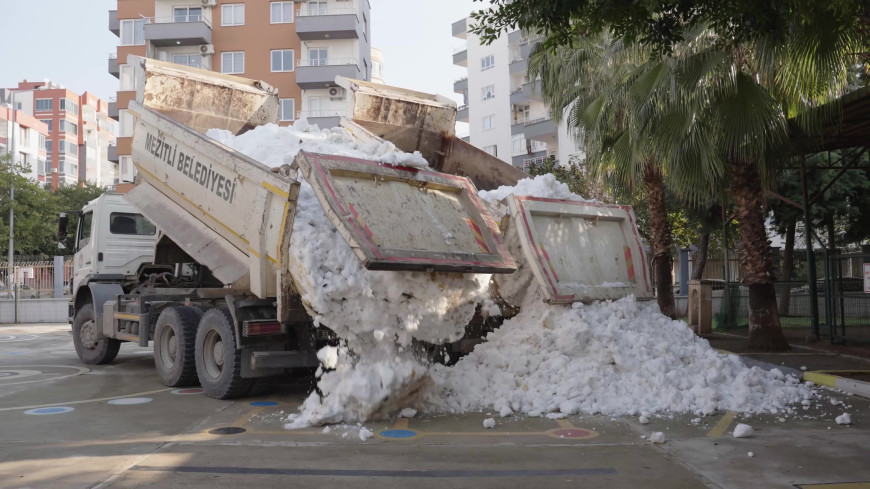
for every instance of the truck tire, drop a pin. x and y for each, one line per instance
(174, 345)
(91, 350)
(218, 361)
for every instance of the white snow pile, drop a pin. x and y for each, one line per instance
(658, 438)
(743, 431)
(544, 186)
(489, 423)
(618, 357)
(377, 313)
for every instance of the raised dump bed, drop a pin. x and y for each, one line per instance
(574, 251)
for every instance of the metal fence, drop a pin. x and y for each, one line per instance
(33, 279)
(843, 306)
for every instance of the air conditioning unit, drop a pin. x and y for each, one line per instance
(206, 49)
(337, 93)
(209, 3)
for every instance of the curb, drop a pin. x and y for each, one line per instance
(829, 379)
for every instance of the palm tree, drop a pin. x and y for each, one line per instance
(590, 85)
(711, 109)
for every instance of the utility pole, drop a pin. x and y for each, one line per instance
(11, 276)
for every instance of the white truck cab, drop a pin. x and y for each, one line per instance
(112, 240)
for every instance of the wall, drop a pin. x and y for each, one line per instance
(499, 106)
(35, 311)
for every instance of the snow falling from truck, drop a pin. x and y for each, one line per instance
(614, 357)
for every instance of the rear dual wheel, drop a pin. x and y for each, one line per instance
(218, 360)
(174, 345)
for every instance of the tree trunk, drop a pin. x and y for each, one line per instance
(756, 262)
(701, 256)
(661, 239)
(787, 266)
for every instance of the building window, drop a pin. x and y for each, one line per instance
(487, 92)
(316, 8)
(487, 62)
(233, 14)
(187, 14)
(69, 106)
(44, 105)
(233, 62)
(488, 122)
(69, 127)
(192, 60)
(41, 142)
(47, 122)
(282, 60)
(69, 148)
(282, 12)
(493, 150)
(133, 32)
(318, 57)
(49, 146)
(287, 109)
(40, 167)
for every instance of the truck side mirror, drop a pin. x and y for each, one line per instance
(62, 224)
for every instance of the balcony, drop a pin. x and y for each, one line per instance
(462, 114)
(518, 66)
(321, 73)
(314, 24)
(180, 30)
(515, 37)
(518, 126)
(114, 23)
(323, 118)
(520, 95)
(460, 28)
(541, 128)
(533, 90)
(460, 57)
(113, 154)
(461, 85)
(522, 161)
(113, 110)
(113, 66)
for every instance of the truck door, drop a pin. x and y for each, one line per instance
(84, 258)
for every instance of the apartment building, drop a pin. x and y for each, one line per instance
(504, 110)
(297, 47)
(79, 132)
(24, 136)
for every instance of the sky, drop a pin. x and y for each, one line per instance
(68, 42)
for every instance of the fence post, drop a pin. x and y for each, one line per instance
(684, 272)
(58, 277)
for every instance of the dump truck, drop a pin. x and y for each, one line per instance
(194, 259)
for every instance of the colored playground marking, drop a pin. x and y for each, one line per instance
(49, 410)
(264, 403)
(403, 434)
(722, 426)
(78, 371)
(187, 392)
(85, 401)
(128, 401)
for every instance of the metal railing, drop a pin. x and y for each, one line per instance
(462, 107)
(32, 279)
(178, 19)
(459, 49)
(460, 80)
(328, 62)
(314, 12)
(320, 113)
(537, 120)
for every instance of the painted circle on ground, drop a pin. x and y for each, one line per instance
(398, 433)
(128, 401)
(49, 410)
(8, 338)
(264, 403)
(13, 353)
(187, 392)
(17, 374)
(576, 433)
(49, 372)
(227, 430)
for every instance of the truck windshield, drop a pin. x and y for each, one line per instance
(126, 223)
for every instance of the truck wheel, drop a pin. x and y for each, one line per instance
(218, 361)
(174, 340)
(91, 350)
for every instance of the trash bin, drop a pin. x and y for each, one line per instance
(700, 307)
